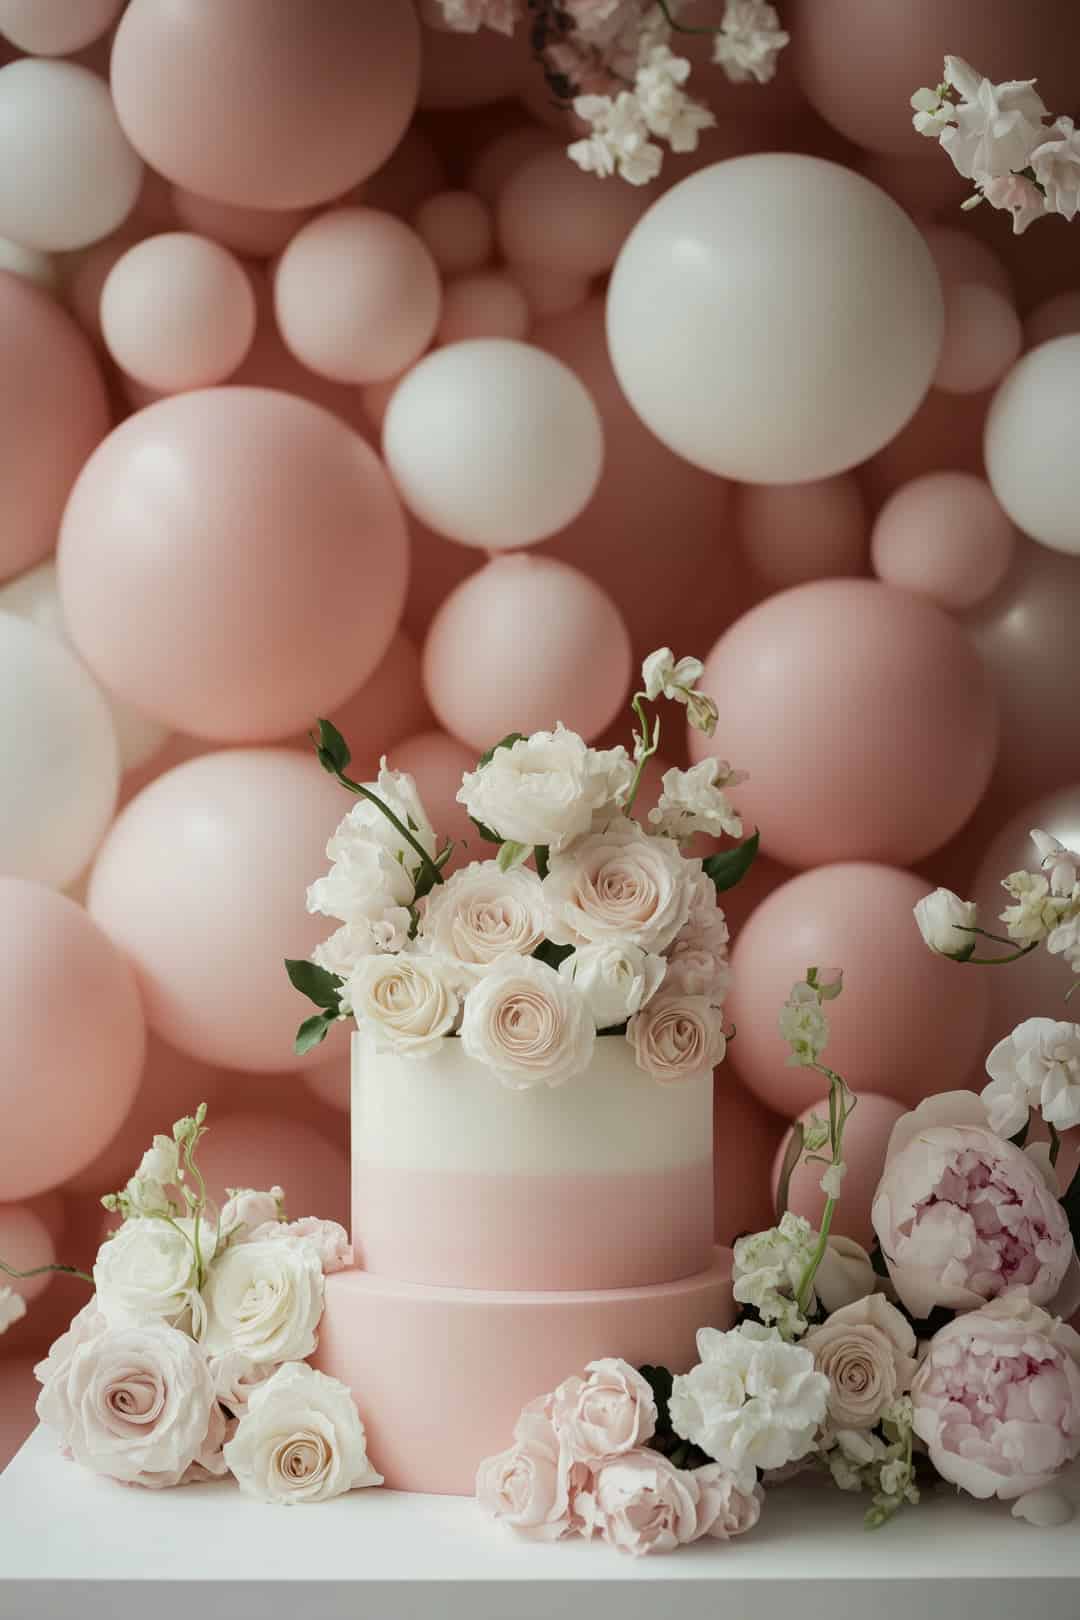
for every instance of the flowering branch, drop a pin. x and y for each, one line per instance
(38, 1271)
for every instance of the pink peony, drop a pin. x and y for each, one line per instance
(726, 1509)
(997, 1399)
(611, 1411)
(641, 1503)
(530, 1486)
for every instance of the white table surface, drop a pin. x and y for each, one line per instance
(76, 1547)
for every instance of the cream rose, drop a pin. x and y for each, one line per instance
(867, 1352)
(147, 1272)
(481, 915)
(610, 1411)
(265, 1299)
(677, 1036)
(619, 887)
(235, 1377)
(546, 789)
(616, 980)
(527, 1024)
(407, 1002)
(330, 1240)
(300, 1440)
(845, 1274)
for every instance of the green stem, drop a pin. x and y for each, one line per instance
(189, 1155)
(999, 939)
(649, 745)
(399, 826)
(1055, 1143)
(678, 27)
(994, 961)
(838, 1115)
(37, 1271)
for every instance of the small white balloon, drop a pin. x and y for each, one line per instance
(775, 318)
(28, 263)
(493, 443)
(1030, 444)
(68, 174)
(58, 758)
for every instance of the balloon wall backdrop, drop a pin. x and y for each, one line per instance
(343, 392)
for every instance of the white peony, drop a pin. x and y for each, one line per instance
(694, 801)
(407, 1002)
(12, 1308)
(620, 887)
(265, 1300)
(1037, 1066)
(482, 914)
(616, 980)
(942, 918)
(300, 1440)
(528, 1024)
(366, 886)
(546, 789)
(147, 1272)
(752, 1402)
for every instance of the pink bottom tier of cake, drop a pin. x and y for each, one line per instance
(441, 1374)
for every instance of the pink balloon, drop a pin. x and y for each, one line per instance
(389, 707)
(437, 763)
(52, 1211)
(276, 578)
(257, 1150)
(53, 411)
(908, 1024)
(1058, 317)
(944, 537)
(944, 435)
(56, 27)
(866, 1137)
(66, 1079)
(493, 165)
(257, 233)
(868, 727)
(270, 365)
(155, 205)
(744, 1140)
(472, 70)
(288, 115)
(922, 185)
(87, 273)
(25, 1245)
(413, 171)
(287, 1097)
(740, 903)
(791, 533)
(207, 926)
(438, 567)
(961, 258)
(522, 643)
(983, 337)
(331, 1083)
(19, 1390)
(457, 229)
(488, 305)
(551, 292)
(551, 213)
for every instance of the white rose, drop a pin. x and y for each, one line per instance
(264, 1299)
(482, 914)
(364, 886)
(694, 801)
(407, 1002)
(616, 980)
(329, 1239)
(12, 1308)
(677, 1036)
(622, 887)
(300, 1440)
(246, 1208)
(365, 825)
(941, 916)
(234, 1377)
(387, 930)
(545, 789)
(147, 1272)
(844, 1275)
(528, 1024)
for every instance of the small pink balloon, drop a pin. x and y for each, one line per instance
(551, 213)
(745, 1136)
(25, 1245)
(53, 411)
(1058, 317)
(944, 435)
(907, 1024)
(791, 533)
(260, 1150)
(458, 230)
(88, 272)
(278, 569)
(913, 753)
(983, 337)
(19, 1390)
(256, 233)
(437, 764)
(67, 1081)
(357, 295)
(471, 70)
(56, 27)
(944, 537)
(493, 165)
(331, 1083)
(389, 707)
(866, 1138)
(177, 312)
(288, 115)
(413, 171)
(961, 258)
(551, 292)
(489, 305)
(522, 643)
(222, 995)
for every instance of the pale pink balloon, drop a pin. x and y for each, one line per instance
(53, 411)
(983, 337)
(493, 165)
(437, 764)
(278, 570)
(257, 233)
(551, 213)
(1058, 317)
(458, 230)
(866, 722)
(944, 435)
(56, 27)
(389, 707)
(791, 533)
(944, 537)
(87, 273)
(866, 1137)
(331, 1083)
(25, 1245)
(67, 1077)
(286, 1097)
(177, 312)
(287, 115)
(907, 1024)
(522, 643)
(550, 292)
(207, 928)
(745, 1136)
(51, 1209)
(172, 1085)
(19, 1390)
(740, 903)
(472, 70)
(357, 295)
(413, 171)
(270, 365)
(261, 1150)
(961, 257)
(487, 305)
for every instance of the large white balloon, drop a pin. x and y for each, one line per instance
(775, 318)
(1031, 444)
(493, 443)
(58, 758)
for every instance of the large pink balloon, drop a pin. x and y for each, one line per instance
(72, 1039)
(552, 213)
(908, 1024)
(522, 643)
(437, 763)
(290, 109)
(277, 573)
(744, 1141)
(865, 721)
(201, 880)
(472, 70)
(53, 411)
(25, 1245)
(388, 707)
(866, 1137)
(257, 1150)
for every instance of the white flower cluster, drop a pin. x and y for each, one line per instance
(625, 127)
(1047, 908)
(997, 136)
(768, 1268)
(1037, 1066)
(748, 41)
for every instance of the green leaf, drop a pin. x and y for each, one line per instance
(511, 855)
(311, 1032)
(331, 747)
(320, 986)
(729, 866)
(541, 854)
(485, 832)
(791, 1159)
(551, 953)
(1071, 1205)
(508, 741)
(661, 1382)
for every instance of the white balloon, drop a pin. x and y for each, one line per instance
(59, 767)
(28, 263)
(775, 318)
(33, 596)
(493, 443)
(68, 174)
(1030, 444)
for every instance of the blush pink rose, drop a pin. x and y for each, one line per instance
(641, 1503)
(530, 1486)
(997, 1399)
(609, 1412)
(677, 1036)
(329, 1238)
(619, 886)
(725, 1508)
(867, 1352)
